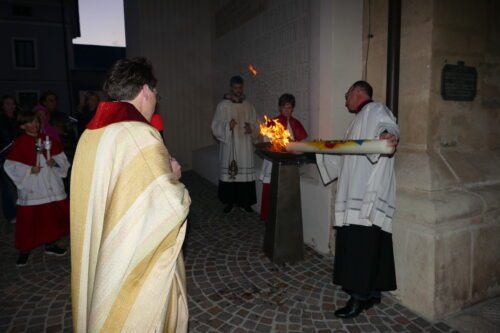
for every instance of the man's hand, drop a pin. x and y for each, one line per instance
(176, 167)
(51, 163)
(393, 140)
(232, 123)
(248, 128)
(35, 170)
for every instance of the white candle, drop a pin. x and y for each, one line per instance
(342, 147)
(47, 145)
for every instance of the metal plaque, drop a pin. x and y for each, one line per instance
(458, 82)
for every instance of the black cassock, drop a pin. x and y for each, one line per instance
(364, 259)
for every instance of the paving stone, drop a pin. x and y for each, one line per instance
(232, 285)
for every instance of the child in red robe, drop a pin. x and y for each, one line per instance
(286, 105)
(37, 164)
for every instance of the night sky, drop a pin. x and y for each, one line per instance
(101, 23)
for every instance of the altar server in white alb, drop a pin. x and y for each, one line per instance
(364, 206)
(235, 126)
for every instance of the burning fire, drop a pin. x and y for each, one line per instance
(252, 70)
(276, 132)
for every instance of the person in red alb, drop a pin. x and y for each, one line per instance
(286, 105)
(37, 164)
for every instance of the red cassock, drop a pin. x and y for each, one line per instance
(39, 223)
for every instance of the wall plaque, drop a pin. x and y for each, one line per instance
(458, 82)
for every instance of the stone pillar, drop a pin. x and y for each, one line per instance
(447, 227)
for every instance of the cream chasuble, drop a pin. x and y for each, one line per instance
(128, 222)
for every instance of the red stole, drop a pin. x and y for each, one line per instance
(115, 112)
(298, 131)
(23, 150)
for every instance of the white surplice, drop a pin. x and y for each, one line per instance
(366, 187)
(235, 143)
(44, 187)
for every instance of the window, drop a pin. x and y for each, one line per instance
(24, 53)
(27, 99)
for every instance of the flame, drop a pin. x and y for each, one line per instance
(278, 134)
(252, 70)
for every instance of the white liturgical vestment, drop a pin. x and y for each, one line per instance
(366, 187)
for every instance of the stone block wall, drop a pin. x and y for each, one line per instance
(447, 227)
(276, 43)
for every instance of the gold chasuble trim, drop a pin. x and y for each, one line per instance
(132, 285)
(129, 186)
(80, 192)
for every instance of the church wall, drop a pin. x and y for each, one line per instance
(176, 37)
(447, 227)
(275, 41)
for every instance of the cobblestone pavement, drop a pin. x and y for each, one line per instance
(232, 286)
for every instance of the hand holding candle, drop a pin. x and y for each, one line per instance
(47, 145)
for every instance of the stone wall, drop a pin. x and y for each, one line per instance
(447, 225)
(276, 42)
(176, 37)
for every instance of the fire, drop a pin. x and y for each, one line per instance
(252, 70)
(276, 132)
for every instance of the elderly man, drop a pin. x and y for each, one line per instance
(128, 215)
(364, 206)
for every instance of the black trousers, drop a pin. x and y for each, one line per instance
(237, 193)
(364, 260)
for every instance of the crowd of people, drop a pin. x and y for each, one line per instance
(127, 208)
(36, 150)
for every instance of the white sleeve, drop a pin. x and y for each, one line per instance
(18, 172)
(220, 126)
(328, 166)
(62, 165)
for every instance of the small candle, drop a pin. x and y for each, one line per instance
(47, 145)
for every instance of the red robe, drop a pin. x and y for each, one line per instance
(44, 223)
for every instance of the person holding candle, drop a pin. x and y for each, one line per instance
(364, 205)
(42, 204)
(286, 104)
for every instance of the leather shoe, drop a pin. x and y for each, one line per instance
(353, 308)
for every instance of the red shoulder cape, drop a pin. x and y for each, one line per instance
(115, 112)
(23, 150)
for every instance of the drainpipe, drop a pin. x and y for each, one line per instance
(393, 47)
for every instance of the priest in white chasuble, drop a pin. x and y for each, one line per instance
(128, 215)
(364, 205)
(235, 127)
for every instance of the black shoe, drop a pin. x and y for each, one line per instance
(54, 250)
(22, 259)
(248, 209)
(353, 308)
(228, 208)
